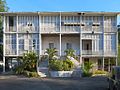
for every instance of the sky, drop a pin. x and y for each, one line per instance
(63, 5)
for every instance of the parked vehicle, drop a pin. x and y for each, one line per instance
(114, 79)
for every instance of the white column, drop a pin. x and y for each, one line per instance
(80, 41)
(17, 47)
(4, 44)
(40, 40)
(103, 41)
(103, 64)
(60, 44)
(3, 63)
(109, 65)
(60, 35)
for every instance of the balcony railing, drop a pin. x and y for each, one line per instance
(10, 52)
(91, 28)
(29, 29)
(70, 29)
(11, 29)
(50, 29)
(110, 29)
(90, 52)
(110, 53)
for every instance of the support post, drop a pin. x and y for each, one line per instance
(60, 44)
(17, 42)
(80, 42)
(3, 64)
(109, 65)
(60, 36)
(4, 43)
(103, 64)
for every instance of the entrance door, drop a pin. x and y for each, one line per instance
(87, 45)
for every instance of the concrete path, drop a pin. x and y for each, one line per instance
(23, 83)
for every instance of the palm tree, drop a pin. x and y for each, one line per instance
(29, 61)
(51, 52)
(70, 52)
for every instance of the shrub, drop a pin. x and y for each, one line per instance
(28, 65)
(87, 74)
(51, 52)
(30, 74)
(100, 72)
(60, 65)
(33, 74)
(86, 69)
(56, 65)
(67, 65)
(70, 52)
(19, 69)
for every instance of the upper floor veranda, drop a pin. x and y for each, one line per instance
(59, 22)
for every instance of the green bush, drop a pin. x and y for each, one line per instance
(30, 74)
(28, 64)
(60, 65)
(56, 65)
(86, 69)
(67, 65)
(100, 72)
(87, 74)
(33, 74)
(26, 73)
(19, 69)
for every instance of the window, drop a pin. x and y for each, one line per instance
(34, 43)
(51, 45)
(68, 46)
(11, 21)
(21, 41)
(21, 47)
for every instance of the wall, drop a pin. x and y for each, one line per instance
(74, 40)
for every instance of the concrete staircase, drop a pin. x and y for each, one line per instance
(77, 72)
(43, 68)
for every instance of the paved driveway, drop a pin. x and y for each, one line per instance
(18, 83)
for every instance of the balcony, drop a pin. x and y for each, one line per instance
(29, 29)
(70, 29)
(11, 29)
(110, 29)
(10, 52)
(91, 52)
(89, 29)
(50, 29)
(110, 53)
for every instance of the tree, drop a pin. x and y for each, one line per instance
(70, 52)
(29, 61)
(86, 69)
(3, 8)
(51, 52)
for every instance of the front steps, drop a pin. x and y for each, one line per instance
(43, 68)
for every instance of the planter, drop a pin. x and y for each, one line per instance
(61, 73)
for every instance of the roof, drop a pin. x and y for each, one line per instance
(68, 13)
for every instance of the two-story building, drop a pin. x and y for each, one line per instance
(93, 35)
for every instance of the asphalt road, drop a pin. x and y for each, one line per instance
(20, 83)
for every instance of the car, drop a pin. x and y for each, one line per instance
(114, 79)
